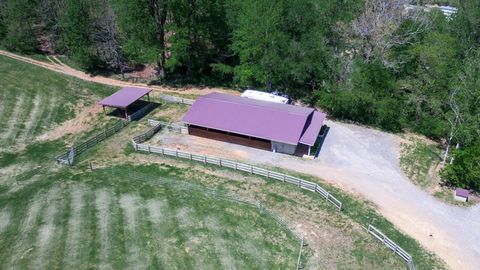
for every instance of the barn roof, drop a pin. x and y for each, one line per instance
(313, 126)
(261, 119)
(124, 97)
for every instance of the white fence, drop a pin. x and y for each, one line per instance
(175, 99)
(391, 245)
(285, 178)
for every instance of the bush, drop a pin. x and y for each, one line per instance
(465, 170)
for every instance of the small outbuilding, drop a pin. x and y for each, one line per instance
(124, 98)
(461, 194)
(261, 124)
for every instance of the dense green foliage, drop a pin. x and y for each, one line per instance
(378, 66)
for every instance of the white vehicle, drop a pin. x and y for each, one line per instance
(254, 94)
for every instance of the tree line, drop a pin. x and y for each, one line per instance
(371, 61)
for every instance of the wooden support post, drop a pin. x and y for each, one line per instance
(126, 114)
(91, 166)
(309, 150)
(104, 111)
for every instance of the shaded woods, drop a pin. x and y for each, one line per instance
(372, 61)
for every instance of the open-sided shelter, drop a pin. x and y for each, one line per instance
(124, 98)
(266, 125)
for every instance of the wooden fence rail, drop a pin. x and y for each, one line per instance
(392, 245)
(68, 157)
(175, 99)
(137, 143)
(140, 113)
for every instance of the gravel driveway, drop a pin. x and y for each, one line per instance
(366, 162)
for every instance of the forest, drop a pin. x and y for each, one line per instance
(372, 62)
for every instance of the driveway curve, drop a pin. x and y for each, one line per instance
(366, 162)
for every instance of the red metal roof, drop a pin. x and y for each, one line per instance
(124, 97)
(261, 119)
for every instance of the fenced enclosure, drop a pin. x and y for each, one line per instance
(137, 143)
(68, 158)
(392, 245)
(142, 112)
(182, 185)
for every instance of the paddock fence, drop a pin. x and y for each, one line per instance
(174, 99)
(186, 186)
(142, 112)
(138, 144)
(68, 158)
(391, 245)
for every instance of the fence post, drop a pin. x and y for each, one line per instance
(236, 165)
(268, 174)
(149, 149)
(163, 152)
(176, 153)
(284, 176)
(300, 183)
(300, 255)
(251, 169)
(205, 159)
(190, 156)
(136, 147)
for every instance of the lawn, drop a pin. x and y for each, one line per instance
(32, 100)
(418, 159)
(76, 221)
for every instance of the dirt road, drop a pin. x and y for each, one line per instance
(362, 161)
(56, 65)
(366, 162)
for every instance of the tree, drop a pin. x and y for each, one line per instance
(199, 36)
(137, 30)
(76, 23)
(18, 22)
(105, 37)
(159, 11)
(465, 170)
(376, 31)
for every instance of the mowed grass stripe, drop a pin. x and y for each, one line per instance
(12, 119)
(136, 240)
(196, 244)
(75, 244)
(5, 216)
(27, 230)
(32, 121)
(49, 238)
(162, 241)
(103, 203)
(45, 120)
(227, 261)
(20, 118)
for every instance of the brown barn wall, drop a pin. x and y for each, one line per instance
(229, 137)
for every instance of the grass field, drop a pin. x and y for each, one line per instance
(32, 100)
(112, 222)
(71, 218)
(417, 159)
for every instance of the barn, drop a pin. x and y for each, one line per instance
(261, 124)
